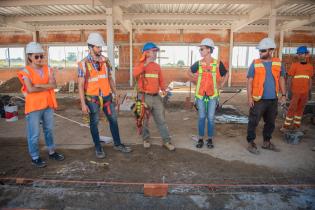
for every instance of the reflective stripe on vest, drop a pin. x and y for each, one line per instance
(301, 77)
(214, 79)
(151, 75)
(275, 63)
(257, 65)
(95, 79)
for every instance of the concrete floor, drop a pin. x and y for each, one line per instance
(230, 139)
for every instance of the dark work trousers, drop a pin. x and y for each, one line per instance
(266, 108)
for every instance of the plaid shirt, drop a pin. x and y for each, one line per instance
(95, 66)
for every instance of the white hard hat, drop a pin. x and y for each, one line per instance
(266, 43)
(207, 42)
(34, 47)
(95, 39)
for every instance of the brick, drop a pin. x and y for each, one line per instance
(155, 190)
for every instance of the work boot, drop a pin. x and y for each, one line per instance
(146, 144)
(56, 156)
(269, 146)
(252, 148)
(209, 143)
(100, 153)
(200, 143)
(39, 163)
(169, 146)
(122, 148)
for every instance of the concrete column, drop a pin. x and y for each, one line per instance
(281, 44)
(110, 40)
(230, 58)
(131, 58)
(272, 24)
(35, 36)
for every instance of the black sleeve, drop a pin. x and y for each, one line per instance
(222, 69)
(194, 67)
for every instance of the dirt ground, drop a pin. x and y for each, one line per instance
(228, 162)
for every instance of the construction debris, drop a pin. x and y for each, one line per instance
(99, 164)
(11, 85)
(293, 137)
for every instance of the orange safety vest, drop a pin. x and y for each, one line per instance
(260, 76)
(208, 79)
(149, 81)
(95, 80)
(37, 100)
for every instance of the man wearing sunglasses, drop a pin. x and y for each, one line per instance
(38, 85)
(299, 83)
(265, 81)
(96, 87)
(209, 76)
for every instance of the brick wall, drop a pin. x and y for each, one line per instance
(220, 37)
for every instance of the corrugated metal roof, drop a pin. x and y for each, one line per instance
(186, 22)
(292, 10)
(297, 9)
(239, 9)
(81, 22)
(51, 10)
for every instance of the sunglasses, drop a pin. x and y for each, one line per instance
(263, 51)
(38, 56)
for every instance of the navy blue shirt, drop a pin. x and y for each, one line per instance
(269, 85)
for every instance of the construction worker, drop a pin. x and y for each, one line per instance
(207, 74)
(96, 90)
(265, 80)
(150, 82)
(299, 83)
(38, 83)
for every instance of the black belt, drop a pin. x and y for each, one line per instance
(150, 94)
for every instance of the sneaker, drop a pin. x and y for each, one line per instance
(57, 156)
(146, 144)
(39, 163)
(100, 153)
(200, 143)
(122, 148)
(209, 144)
(169, 146)
(252, 148)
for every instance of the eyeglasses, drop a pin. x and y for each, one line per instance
(38, 56)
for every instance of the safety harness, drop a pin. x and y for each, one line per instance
(140, 108)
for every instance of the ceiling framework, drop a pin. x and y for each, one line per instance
(193, 15)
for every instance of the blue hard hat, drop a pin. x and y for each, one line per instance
(149, 46)
(302, 50)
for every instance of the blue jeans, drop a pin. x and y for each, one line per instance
(33, 130)
(203, 114)
(111, 117)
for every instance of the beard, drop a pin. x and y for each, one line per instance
(264, 56)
